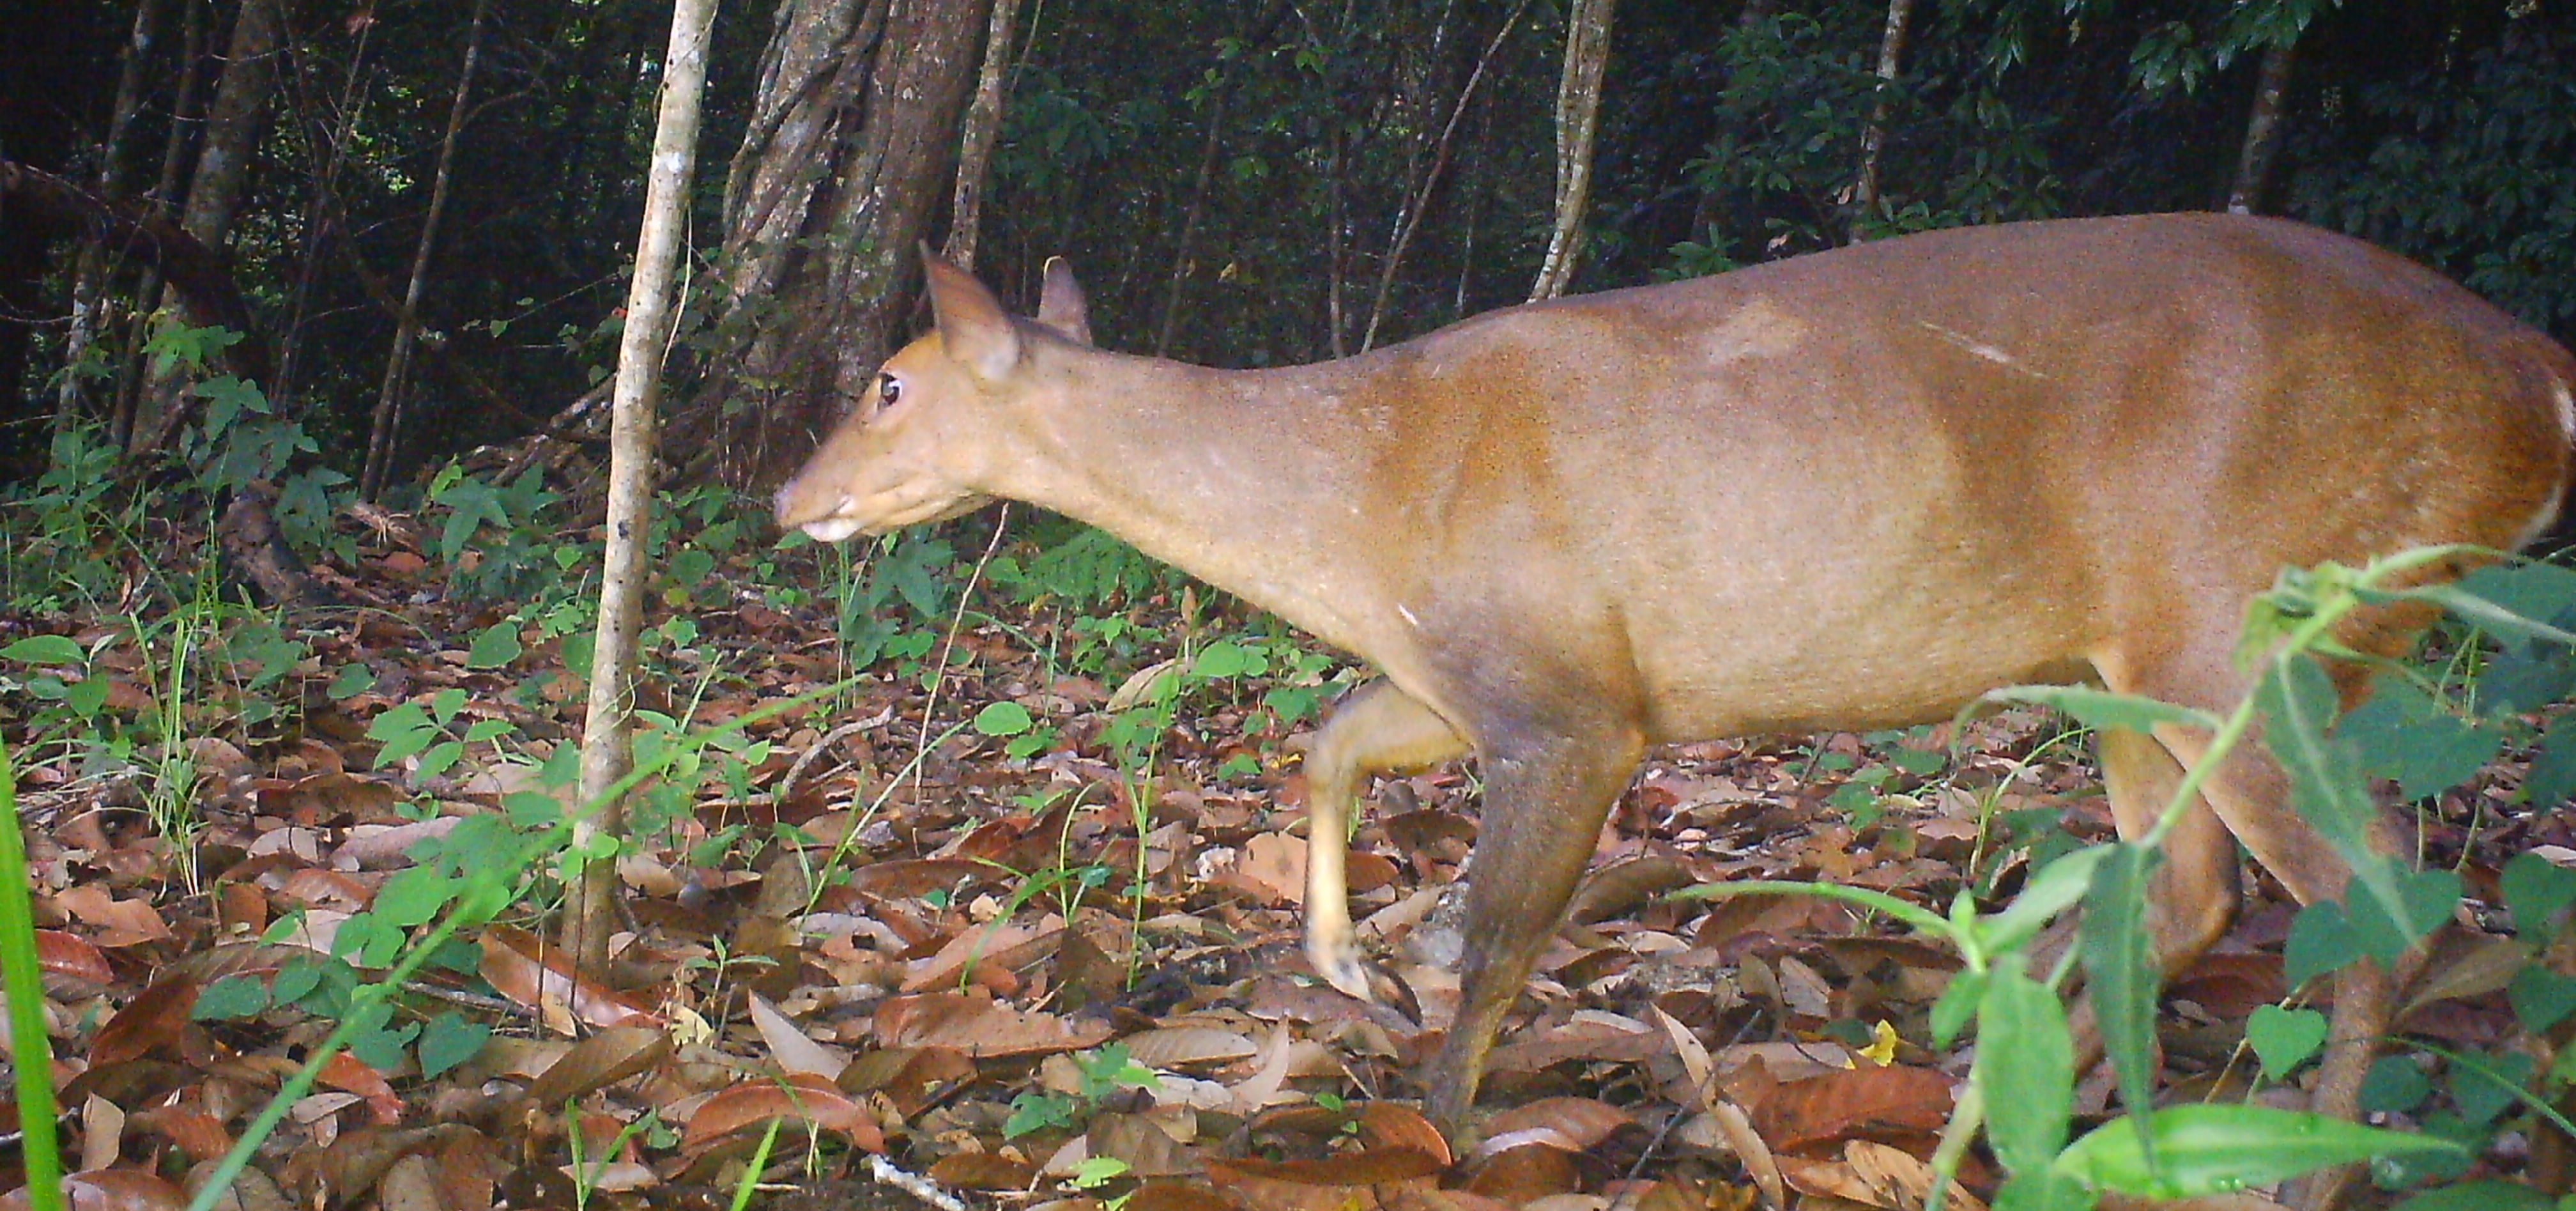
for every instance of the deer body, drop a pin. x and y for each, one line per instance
(1846, 491)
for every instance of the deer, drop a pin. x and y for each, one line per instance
(1850, 490)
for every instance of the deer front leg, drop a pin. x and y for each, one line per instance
(1545, 800)
(1378, 729)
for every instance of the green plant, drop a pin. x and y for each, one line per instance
(2021, 1085)
(1101, 1074)
(22, 979)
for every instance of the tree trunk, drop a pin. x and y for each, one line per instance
(233, 123)
(2262, 129)
(983, 130)
(380, 440)
(826, 203)
(1873, 137)
(165, 196)
(89, 275)
(607, 754)
(1578, 116)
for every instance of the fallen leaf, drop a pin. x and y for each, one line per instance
(800, 1098)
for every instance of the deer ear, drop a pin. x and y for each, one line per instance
(1060, 302)
(973, 328)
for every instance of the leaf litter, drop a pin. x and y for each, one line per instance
(1057, 974)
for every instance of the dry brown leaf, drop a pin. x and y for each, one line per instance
(1166, 1195)
(984, 1171)
(348, 1073)
(1589, 1035)
(1583, 1122)
(980, 1027)
(386, 846)
(1613, 890)
(63, 956)
(1875, 1175)
(102, 1130)
(155, 1019)
(1145, 1143)
(803, 1099)
(1180, 1046)
(541, 976)
(410, 1186)
(910, 878)
(1271, 869)
(2469, 967)
(603, 1059)
(1839, 1105)
(1518, 1174)
(1001, 947)
(199, 1134)
(1389, 1126)
(907, 1077)
(110, 1190)
(1567, 1202)
(795, 1053)
(1264, 1086)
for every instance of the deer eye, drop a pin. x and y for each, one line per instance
(889, 389)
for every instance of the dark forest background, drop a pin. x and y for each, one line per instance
(1242, 183)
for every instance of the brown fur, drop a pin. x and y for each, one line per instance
(1850, 490)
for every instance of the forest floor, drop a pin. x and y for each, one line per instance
(1052, 961)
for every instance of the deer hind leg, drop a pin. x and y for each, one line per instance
(2250, 794)
(1378, 729)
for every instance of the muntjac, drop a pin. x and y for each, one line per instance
(1852, 490)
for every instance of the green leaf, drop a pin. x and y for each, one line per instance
(2321, 942)
(2533, 590)
(2058, 886)
(353, 679)
(2553, 774)
(2525, 677)
(450, 1040)
(2120, 970)
(382, 1048)
(2537, 890)
(2102, 708)
(691, 566)
(46, 649)
(2488, 615)
(2541, 998)
(2404, 734)
(1003, 719)
(404, 729)
(295, 979)
(2204, 1149)
(2395, 1085)
(1037, 1111)
(2283, 1039)
(2045, 1190)
(231, 999)
(86, 698)
(2331, 793)
(2484, 1088)
(495, 646)
(2326, 781)
(1223, 659)
(2386, 927)
(1957, 1006)
(414, 896)
(2026, 1066)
